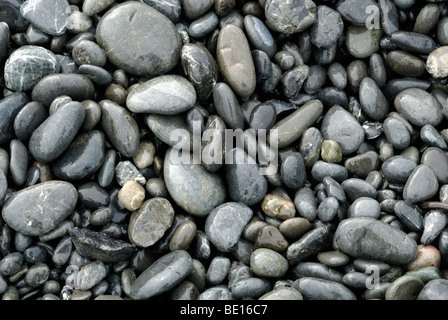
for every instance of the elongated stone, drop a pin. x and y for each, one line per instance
(290, 17)
(235, 60)
(421, 185)
(49, 16)
(38, 209)
(309, 244)
(162, 275)
(60, 128)
(369, 238)
(10, 106)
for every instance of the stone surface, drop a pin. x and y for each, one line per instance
(154, 38)
(48, 16)
(290, 17)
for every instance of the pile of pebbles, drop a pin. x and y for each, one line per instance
(95, 205)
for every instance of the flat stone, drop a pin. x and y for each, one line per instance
(362, 42)
(150, 222)
(282, 294)
(164, 274)
(421, 185)
(120, 128)
(10, 106)
(333, 259)
(397, 169)
(172, 130)
(309, 244)
(259, 35)
(327, 29)
(227, 106)
(367, 238)
(321, 289)
(373, 101)
(410, 215)
(405, 64)
(155, 40)
(235, 60)
(225, 224)
(434, 290)
(28, 119)
(322, 169)
(47, 210)
(99, 246)
(361, 165)
(206, 189)
(290, 17)
(168, 94)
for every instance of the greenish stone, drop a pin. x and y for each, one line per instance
(426, 274)
(331, 151)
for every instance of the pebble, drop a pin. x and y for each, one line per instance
(372, 100)
(207, 189)
(271, 238)
(38, 11)
(327, 28)
(362, 42)
(309, 244)
(235, 60)
(431, 136)
(421, 185)
(435, 62)
(286, 293)
(293, 172)
(320, 289)
(397, 169)
(48, 210)
(433, 224)
(131, 195)
(156, 56)
(162, 275)
(404, 288)
(259, 35)
(225, 224)
(434, 290)
(375, 236)
(426, 256)
(410, 215)
(268, 263)
(365, 207)
(90, 275)
(405, 64)
(333, 259)
(218, 270)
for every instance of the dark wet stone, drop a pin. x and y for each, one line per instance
(201, 69)
(414, 42)
(349, 136)
(97, 75)
(35, 254)
(315, 80)
(259, 35)
(396, 133)
(419, 107)
(421, 185)
(203, 25)
(29, 118)
(162, 275)
(206, 189)
(76, 86)
(88, 52)
(106, 173)
(368, 237)
(10, 14)
(389, 17)
(434, 290)
(5, 35)
(50, 17)
(291, 17)
(437, 160)
(316, 270)
(120, 128)
(320, 289)
(99, 246)
(227, 106)
(427, 18)
(327, 29)
(293, 80)
(309, 244)
(170, 8)
(373, 101)
(263, 117)
(37, 275)
(47, 209)
(410, 215)
(268, 263)
(18, 161)
(156, 56)
(355, 188)
(11, 264)
(364, 207)
(92, 196)
(293, 171)
(245, 183)
(355, 11)
(61, 127)
(361, 165)
(3, 186)
(310, 146)
(328, 209)
(396, 86)
(83, 158)
(10, 106)
(322, 169)
(168, 94)
(431, 136)
(225, 224)
(263, 66)
(235, 60)
(169, 127)
(433, 224)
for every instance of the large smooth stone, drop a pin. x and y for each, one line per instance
(290, 16)
(341, 126)
(235, 61)
(56, 133)
(368, 238)
(36, 210)
(320, 289)
(27, 65)
(437, 160)
(355, 11)
(193, 188)
(419, 107)
(168, 94)
(83, 157)
(50, 16)
(139, 39)
(161, 276)
(121, 129)
(225, 224)
(76, 86)
(172, 130)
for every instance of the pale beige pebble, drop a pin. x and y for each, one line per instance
(145, 155)
(131, 195)
(427, 256)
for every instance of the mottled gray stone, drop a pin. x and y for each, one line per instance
(290, 17)
(321, 289)
(48, 16)
(421, 185)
